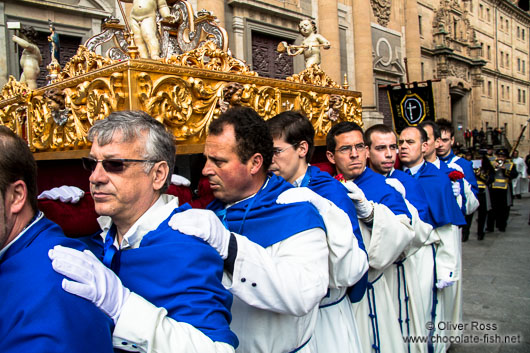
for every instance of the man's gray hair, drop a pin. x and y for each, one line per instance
(134, 124)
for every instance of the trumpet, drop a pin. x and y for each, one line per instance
(283, 46)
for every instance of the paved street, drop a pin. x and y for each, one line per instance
(496, 286)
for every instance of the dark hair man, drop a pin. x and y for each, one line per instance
(37, 315)
(276, 255)
(384, 219)
(293, 135)
(445, 257)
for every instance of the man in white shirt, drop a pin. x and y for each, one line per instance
(131, 161)
(385, 225)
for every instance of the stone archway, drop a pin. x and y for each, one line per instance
(459, 110)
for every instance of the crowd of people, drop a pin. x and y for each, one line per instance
(287, 258)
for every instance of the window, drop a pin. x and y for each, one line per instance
(522, 37)
(518, 32)
(502, 59)
(518, 65)
(500, 23)
(507, 63)
(507, 26)
(524, 96)
(489, 89)
(502, 91)
(524, 67)
(419, 22)
(481, 11)
(422, 71)
(488, 15)
(489, 52)
(508, 92)
(518, 95)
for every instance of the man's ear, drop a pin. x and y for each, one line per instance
(160, 173)
(452, 141)
(423, 147)
(331, 157)
(303, 148)
(16, 196)
(255, 163)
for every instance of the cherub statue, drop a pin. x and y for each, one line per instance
(31, 57)
(144, 26)
(310, 45)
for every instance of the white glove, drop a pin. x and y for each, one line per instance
(203, 224)
(456, 188)
(440, 284)
(396, 184)
(179, 180)
(363, 207)
(91, 279)
(304, 194)
(64, 193)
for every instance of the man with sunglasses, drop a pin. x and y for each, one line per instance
(386, 229)
(37, 315)
(293, 135)
(131, 161)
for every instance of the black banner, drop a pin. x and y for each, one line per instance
(411, 106)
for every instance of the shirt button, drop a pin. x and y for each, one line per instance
(124, 343)
(134, 346)
(243, 279)
(253, 284)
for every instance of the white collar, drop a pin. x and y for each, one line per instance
(414, 169)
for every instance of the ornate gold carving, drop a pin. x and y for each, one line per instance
(314, 76)
(84, 61)
(210, 57)
(14, 88)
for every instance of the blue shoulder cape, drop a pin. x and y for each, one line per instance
(377, 190)
(415, 194)
(37, 315)
(326, 186)
(181, 273)
(442, 203)
(467, 167)
(265, 222)
(444, 168)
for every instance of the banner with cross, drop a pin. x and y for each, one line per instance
(411, 105)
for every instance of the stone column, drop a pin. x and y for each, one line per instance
(412, 40)
(362, 41)
(3, 47)
(215, 6)
(328, 26)
(238, 44)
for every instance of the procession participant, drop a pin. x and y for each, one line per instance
(401, 278)
(387, 232)
(520, 183)
(446, 154)
(36, 312)
(501, 195)
(130, 161)
(485, 176)
(276, 255)
(293, 135)
(438, 267)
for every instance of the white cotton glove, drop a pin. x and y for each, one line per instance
(179, 180)
(456, 188)
(203, 224)
(64, 193)
(441, 284)
(396, 184)
(304, 194)
(90, 279)
(363, 207)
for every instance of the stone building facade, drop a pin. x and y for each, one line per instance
(477, 51)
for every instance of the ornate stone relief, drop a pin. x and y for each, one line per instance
(382, 10)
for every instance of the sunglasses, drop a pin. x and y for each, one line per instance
(111, 165)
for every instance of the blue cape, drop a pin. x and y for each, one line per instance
(326, 186)
(181, 273)
(37, 315)
(377, 190)
(265, 222)
(442, 203)
(467, 167)
(415, 195)
(446, 170)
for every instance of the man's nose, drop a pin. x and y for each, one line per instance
(98, 175)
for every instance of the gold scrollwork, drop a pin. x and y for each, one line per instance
(210, 57)
(314, 75)
(84, 61)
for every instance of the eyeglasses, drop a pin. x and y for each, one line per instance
(349, 148)
(111, 165)
(277, 150)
